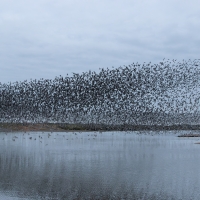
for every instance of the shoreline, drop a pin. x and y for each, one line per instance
(64, 127)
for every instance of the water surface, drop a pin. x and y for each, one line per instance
(94, 165)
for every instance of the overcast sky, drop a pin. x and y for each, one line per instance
(48, 38)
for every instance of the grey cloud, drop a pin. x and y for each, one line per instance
(43, 39)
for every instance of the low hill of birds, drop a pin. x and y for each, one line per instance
(163, 93)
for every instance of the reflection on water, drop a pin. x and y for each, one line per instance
(108, 165)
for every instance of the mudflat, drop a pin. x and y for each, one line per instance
(26, 127)
(63, 127)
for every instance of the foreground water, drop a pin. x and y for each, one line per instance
(108, 165)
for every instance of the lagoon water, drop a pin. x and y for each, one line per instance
(94, 165)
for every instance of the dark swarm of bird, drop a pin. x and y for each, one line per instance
(163, 93)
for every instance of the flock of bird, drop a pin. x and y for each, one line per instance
(165, 92)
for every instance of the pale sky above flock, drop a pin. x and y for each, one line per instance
(48, 38)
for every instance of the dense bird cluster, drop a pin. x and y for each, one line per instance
(166, 92)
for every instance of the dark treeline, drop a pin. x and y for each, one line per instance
(163, 93)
